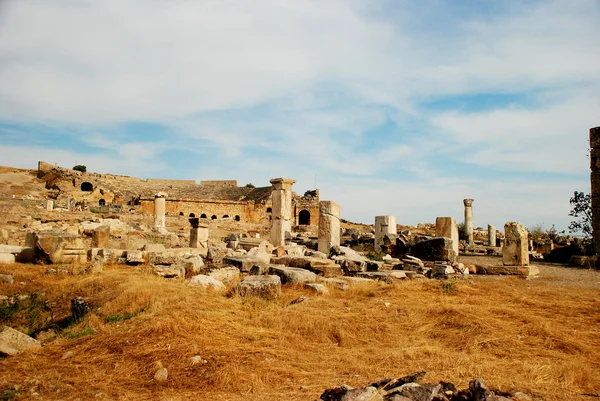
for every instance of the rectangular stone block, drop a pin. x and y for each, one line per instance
(329, 225)
(514, 251)
(446, 227)
(384, 225)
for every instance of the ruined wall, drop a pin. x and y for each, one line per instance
(220, 183)
(248, 212)
(595, 185)
(170, 182)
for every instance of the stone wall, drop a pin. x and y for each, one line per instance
(248, 212)
(220, 183)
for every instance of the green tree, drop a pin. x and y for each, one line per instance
(582, 209)
(80, 167)
(249, 185)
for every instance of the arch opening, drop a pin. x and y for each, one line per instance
(213, 217)
(203, 216)
(237, 218)
(225, 216)
(269, 210)
(181, 213)
(86, 186)
(101, 202)
(192, 215)
(304, 218)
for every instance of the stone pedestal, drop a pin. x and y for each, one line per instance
(281, 223)
(329, 226)
(160, 206)
(491, 235)
(468, 230)
(198, 234)
(446, 227)
(384, 225)
(100, 237)
(595, 184)
(49, 204)
(514, 251)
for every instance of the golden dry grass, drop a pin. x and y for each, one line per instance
(520, 335)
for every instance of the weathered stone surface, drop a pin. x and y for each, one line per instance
(199, 237)
(80, 307)
(206, 282)
(216, 254)
(531, 270)
(251, 243)
(324, 267)
(226, 274)
(515, 250)
(13, 342)
(58, 247)
(292, 275)
(294, 250)
(439, 248)
(446, 227)
(100, 237)
(193, 264)
(491, 235)
(338, 283)
(281, 216)
(351, 264)
(347, 393)
(135, 257)
(156, 248)
(6, 279)
(468, 220)
(22, 254)
(259, 254)
(170, 271)
(7, 258)
(384, 225)
(317, 288)
(247, 264)
(375, 276)
(329, 226)
(268, 287)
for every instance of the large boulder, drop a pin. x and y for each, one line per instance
(267, 287)
(226, 274)
(351, 264)
(58, 247)
(14, 253)
(440, 248)
(323, 267)
(292, 275)
(206, 282)
(13, 342)
(247, 264)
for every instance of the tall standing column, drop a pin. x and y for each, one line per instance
(329, 226)
(595, 181)
(384, 225)
(281, 216)
(491, 235)
(468, 230)
(160, 207)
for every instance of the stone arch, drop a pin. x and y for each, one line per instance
(225, 216)
(86, 186)
(269, 210)
(213, 217)
(181, 213)
(192, 215)
(304, 218)
(236, 218)
(101, 202)
(203, 216)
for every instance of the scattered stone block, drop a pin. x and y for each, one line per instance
(13, 342)
(58, 247)
(446, 227)
(176, 271)
(515, 250)
(318, 289)
(247, 264)
(7, 258)
(294, 250)
(440, 248)
(6, 279)
(351, 264)
(292, 275)
(323, 267)
(531, 270)
(335, 282)
(206, 282)
(193, 264)
(268, 287)
(100, 237)
(135, 258)
(226, 274)
(329, 225)
(156, 248)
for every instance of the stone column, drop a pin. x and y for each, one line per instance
(198, 234)
(384, 225)
(446, 227)
(491, 235)
(514, 251)
(468, 230)
(281, 223)
(329, 226)
(49, 204)
(69, 207)
(595, 181)
(100, 237)
(160, 206)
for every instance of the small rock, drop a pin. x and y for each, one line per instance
(67, 355)
(7, 279)
(197, 359)
(299, 300)
(161, 375)
(318, 289)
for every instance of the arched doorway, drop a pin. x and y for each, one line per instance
(86, 187)
(304, 218)
(237, 218)
(213, 217)
(269, 210)
(203, 216)
(192, 215)
(225, 216)
(181, 213)
(101, 202)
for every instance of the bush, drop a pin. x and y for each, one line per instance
(80, 167)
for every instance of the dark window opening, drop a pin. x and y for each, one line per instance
(181, 213)
(304, 218)
(87, 186)
(225, 216)
(203, 216)
(192, 215)
(213, 217)
(101, 202)
(269, 210)
(237, 218)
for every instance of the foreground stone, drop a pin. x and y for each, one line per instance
(206, 282)
(292, 275)
(514, 251)
(323, 267)
(440, 248)
(247, 264)
(508, 270)
(267, 287)
(58, 247)
(13, 342)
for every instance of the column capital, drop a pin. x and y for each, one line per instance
(282, 183)
(160, 195)
(468, 202)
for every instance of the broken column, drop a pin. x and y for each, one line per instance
(281, 216)
(514, 251)
(198, 234)
(384, 225)
(491, 235)
(468, 230)
(329, 226)
(50, 204)
(446, 227)
(160, 206)
(595, 181)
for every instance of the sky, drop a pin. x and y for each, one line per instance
(392, 107)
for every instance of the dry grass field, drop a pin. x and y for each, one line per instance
(540, 336)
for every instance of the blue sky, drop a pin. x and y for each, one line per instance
(396, 107)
